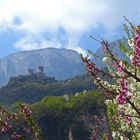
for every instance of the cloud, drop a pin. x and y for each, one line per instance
(38, 17)
(30, 43)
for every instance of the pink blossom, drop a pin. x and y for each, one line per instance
(91, 67)
(120, 66)
(121, 99)
(16, 136)
(136, 59)
(128, 119)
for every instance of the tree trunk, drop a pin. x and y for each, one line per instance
(70, 137)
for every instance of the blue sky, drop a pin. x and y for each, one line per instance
(37, 24)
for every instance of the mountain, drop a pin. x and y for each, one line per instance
(59, 63)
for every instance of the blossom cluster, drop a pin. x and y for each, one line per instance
(6, 123)
(124, 106)
(9, 122)
(136, 57)
(123, 92)
(25, 111)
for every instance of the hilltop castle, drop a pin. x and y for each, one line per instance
(40, 71)
(33, 75)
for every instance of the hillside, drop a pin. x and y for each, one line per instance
(32, 91)
(60, 117)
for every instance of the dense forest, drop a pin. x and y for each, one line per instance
(32, 91)
(60, 117)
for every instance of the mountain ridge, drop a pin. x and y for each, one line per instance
(59, 63)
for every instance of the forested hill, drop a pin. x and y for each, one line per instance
(32, 91)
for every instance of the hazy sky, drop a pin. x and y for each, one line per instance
(36, 24)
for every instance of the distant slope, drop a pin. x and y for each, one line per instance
(115, 47)
(32, 91)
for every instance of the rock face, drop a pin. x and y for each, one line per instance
(59, 63)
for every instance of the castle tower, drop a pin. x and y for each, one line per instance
(30, 71)
(40, 69)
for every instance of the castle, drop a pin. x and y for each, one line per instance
(33, 75)
(39, 72)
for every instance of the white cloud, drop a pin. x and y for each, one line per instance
(29, 43)
(73, 44)
(76, 17)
